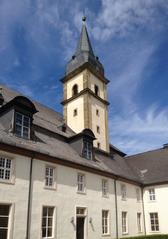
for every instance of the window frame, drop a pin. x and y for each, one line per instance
(105, 223)
(123, 192)
(87, 151)
(105, 188)
(152, 194)
(75, 90)
(75, 112)
(154, 222)
(53, 177)
(82, 183)
(138, 194)
(11, 179)
(53, 221)
(10, 215)
(23, 116)
(139, 222)
(124, 222)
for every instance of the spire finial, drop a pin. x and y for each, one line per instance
(84, 18)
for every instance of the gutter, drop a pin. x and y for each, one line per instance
(29, 200)
(116, 207)
(142, 193)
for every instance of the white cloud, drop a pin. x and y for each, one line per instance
(139, 132)
(118, 17)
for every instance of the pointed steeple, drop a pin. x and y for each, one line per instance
(84, 54)
(84, 44)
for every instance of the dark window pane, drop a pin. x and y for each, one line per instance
(3, 222)
(4, 210)
(3, 233)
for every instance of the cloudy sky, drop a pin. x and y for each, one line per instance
(38, 37)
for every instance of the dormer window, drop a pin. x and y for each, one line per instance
(87, 149)
(96, 90)
(75, 90)
(22, 125)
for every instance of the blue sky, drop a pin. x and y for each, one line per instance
(38, 37)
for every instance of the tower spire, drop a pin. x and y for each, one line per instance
(84, 44)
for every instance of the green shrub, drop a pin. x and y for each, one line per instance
(158, 236)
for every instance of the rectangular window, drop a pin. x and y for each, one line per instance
(87, 150)
(81, 182)
(124, 223)
(139, 222)
(47, 222)
(5, 168)
(98, 129)
(152, 196)
(105, 187)
(97, 112)
(123, 192)
(154, 221)
(75, 112)
(105, 222)
(4, 221)
(138, 195)
(22, 125)
(49, 176)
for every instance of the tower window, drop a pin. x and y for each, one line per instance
(97, 112)
(98, 145)
(96, 90)
(98, 129)
(75, 112)
(75, 90)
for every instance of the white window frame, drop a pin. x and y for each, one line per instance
(53, 177)
(23, 116)
(138, 194)
(87, 150)
(105, 222)
(6, 169)
(139, 222)
(123, 192)
(9, 227)
(47, 217)
(152, 194)
(81, 183)
(154, 221)
(124, 218)
(105, 188)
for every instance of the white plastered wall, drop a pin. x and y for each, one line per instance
(16, 194)
(159, 206)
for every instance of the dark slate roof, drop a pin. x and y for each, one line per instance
(84, 54)
(51, 145)
(151, 167)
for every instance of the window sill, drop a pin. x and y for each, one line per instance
(105, 196)
(83, 193)
(50, 188)
(106, 235)
(125, 233)
(7, 181)
(152, 201)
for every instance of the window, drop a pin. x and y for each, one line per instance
(98, 145)
(139, 222)
(152, 196)
(154, 220)
(87, 149)
(105, 187)
(97, 112)
(138, 195)
(96, 90)
(75, 90)
(124, 223)
(80, 212)
(75, 112)
(98, 129)
(47, 222)
(81, 182)
(49, 176)
(5, 168)
(4, 221)
(22, 125)
(105, 222)
(123, 192)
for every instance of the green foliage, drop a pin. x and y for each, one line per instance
(158, 236)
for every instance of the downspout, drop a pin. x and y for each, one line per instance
(29, 200)
(116, 207)
(142, 193)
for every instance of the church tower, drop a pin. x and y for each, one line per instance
(85, 94)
